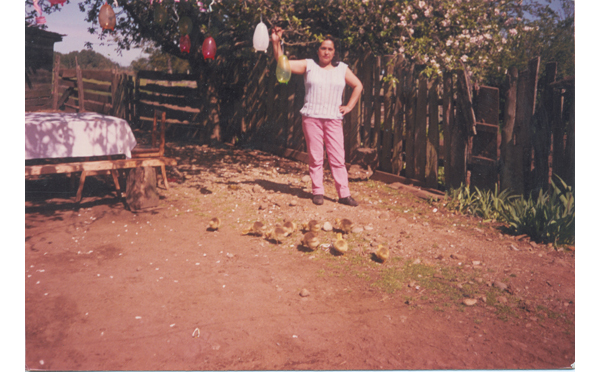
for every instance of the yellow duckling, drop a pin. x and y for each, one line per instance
(257, 228)
(344, 224)
(312, 226)
(310, 240)
(277, 234)
(214, 224)
(382, 253)
(289, 227)
(340, 245)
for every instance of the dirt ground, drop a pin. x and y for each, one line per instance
(108, 289)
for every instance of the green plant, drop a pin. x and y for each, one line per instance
(548, 218)
(491, 205)
(487, 204)
(461, 199)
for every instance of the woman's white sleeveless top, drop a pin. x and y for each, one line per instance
(323, 90)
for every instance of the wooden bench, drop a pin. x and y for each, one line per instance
(95, 167)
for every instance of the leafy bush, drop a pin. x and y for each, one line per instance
(487, 204)
(547, 218)
(491, 205)
(461, 200)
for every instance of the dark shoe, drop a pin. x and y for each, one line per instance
(348, 201)
(318, 199)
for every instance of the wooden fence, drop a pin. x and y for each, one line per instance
(425, 130)
(107, 92)
(418, 128)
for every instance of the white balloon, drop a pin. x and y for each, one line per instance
(261, 37)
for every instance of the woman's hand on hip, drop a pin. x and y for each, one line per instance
(345, 109)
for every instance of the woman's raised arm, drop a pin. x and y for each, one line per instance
(297, 66)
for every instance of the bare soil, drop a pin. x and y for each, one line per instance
(108, 289)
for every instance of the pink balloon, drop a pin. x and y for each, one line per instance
(185, 44)
(107, 18)
(209, 48)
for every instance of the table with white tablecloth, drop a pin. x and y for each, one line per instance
(87, 143)
(71, 135)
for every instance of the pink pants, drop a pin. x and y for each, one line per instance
(331, 130)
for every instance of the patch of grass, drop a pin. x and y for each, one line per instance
(391, 279)
(504, 312)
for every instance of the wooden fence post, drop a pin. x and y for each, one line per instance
(386, 140)
(570, 145)
(81, 99)
(376, 134)
(352, 125)
(448, 125)
(113, 92)
(288, 112)
(433, 137)
(136, 95)
(367, 73)
(558, 134)
(463, 128)
(508, 176)
(420, 153)
(526, 106)
(410, 109)
(397, 163)
(55, 80)
(484, 153)
(130, 98)
(213, 127)
(543, 130)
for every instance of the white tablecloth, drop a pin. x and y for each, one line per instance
(65, 135)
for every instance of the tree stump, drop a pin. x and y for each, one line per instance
(141, 192)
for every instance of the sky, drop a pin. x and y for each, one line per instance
(69, 21)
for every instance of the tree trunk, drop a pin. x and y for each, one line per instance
(141, 190)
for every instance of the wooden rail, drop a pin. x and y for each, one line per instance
(89, 168)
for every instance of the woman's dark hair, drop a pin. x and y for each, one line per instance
(336, 56)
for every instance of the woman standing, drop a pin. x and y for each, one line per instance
(323, 113)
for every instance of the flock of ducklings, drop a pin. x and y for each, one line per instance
(310, 239)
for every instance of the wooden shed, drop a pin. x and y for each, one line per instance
(39, 61)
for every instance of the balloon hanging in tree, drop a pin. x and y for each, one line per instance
(261, 37)
(160, 15)
(185, 25)
(56, 2)
(40, 20)
(209, 48)
(185, 44)
(107, 18)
